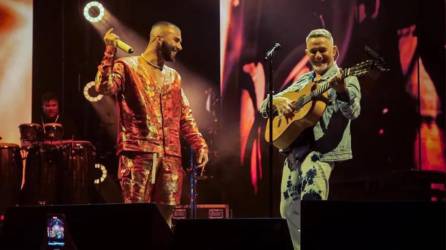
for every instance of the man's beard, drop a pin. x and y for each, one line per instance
(166, 52)
(321, 68)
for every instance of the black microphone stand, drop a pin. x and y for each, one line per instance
(269, 58)
(193, 186)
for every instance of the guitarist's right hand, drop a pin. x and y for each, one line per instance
(283, 105)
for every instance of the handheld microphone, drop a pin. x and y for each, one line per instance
(270, 53)
(124, 46)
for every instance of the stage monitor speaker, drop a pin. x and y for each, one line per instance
(204, 211)
(373, 225)
(224, 234)
(98, 226)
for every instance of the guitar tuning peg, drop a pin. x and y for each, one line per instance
(380, 66)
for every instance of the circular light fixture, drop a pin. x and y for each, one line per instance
(103, 171)
(90, 93)
(94, 11)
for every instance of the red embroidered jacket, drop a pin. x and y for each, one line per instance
(151, 117)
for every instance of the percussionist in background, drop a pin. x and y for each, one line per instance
(52, 120)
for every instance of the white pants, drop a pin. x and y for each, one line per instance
(307, 180)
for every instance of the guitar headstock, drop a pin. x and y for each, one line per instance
(364, 67)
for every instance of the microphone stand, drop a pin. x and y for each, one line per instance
(269, 59)
(193, 187)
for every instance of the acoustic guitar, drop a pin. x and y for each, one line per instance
(309, 104)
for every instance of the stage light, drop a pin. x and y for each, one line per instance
(90, 93)
(103, 171)
(94, 11)
(381, 132)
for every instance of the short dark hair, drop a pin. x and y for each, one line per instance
(164, 24)
(161, 25)
(47, 96)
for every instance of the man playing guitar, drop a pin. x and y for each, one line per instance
(311, 157)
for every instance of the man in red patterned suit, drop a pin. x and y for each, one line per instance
(153, 113)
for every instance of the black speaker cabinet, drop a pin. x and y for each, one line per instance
(98, 226)
(219, 234)
(373, 225)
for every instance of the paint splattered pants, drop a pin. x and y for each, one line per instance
(302, 180)
(144, 178)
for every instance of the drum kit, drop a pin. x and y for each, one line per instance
(45, 169)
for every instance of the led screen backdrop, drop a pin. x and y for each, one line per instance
(401, 126)
(16, 31)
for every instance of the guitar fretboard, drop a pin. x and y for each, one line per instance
(357, 70)
(315, 93)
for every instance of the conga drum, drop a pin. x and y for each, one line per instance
(53, 131)
(30, 133)
(43, 174)
(10, 175)
(78, 171)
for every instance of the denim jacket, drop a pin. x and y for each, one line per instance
(332, 133)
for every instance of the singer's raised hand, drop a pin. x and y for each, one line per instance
(110, 38)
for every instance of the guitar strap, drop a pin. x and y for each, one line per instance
(323, 125)
(324, 98)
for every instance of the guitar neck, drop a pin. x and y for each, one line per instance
(322, 88)
(359, 69)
